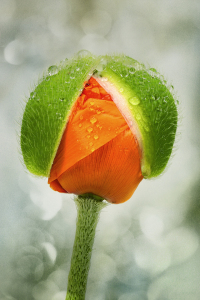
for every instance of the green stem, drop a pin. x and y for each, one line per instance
(88, 209)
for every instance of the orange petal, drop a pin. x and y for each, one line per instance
(93, 123)
(55, 185)
(112, 172)
(98, 153)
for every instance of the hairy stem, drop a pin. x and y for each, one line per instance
(88, 209)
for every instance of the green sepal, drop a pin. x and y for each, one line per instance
(48, 108)
(152, 106)
(149, 100)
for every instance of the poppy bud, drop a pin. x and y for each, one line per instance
(99, 125)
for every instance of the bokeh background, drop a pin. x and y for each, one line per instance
(147, 248)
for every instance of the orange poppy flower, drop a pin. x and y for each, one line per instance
(98, 152)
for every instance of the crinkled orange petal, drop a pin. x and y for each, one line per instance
(97, 146)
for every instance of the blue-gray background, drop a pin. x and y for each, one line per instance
(147, 248)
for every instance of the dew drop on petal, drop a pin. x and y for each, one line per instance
(91, 102)
(81, 117)
(89, 129)
(91, 144)
(88, 136)
(93, 120)
(80, 125)
(96, 137)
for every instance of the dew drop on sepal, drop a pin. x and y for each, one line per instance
(83, 53)
(53, 70)
(134, 100)
(32, 95)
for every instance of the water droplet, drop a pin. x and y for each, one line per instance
(98, 112)
(146, 128)
(138, 117)
(88, 136)
(83, 53)
(93, 120)
(102, 65)
(80, 125)
(92, 102)
(32, 95)
(132, 71)
(92, 150)
(62, 99)
(78, 69)
(81, 117)
(91, 144)
(89, 129)
(153, 70)
(53, 70)
(96, 137)
(134, 100)
(121, 90)
(104, 61)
